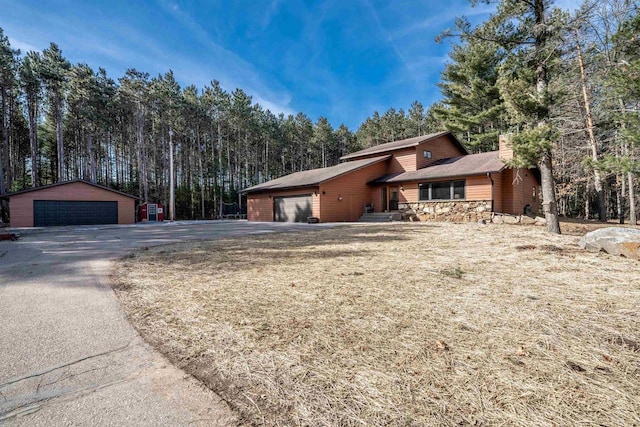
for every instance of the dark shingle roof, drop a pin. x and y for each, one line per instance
(7, 195)
(472, 164)
(314, 176)
(405, 143)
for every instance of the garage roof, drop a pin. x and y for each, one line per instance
(472, 164)
(404, 143)
(314, 176)
(7, 195)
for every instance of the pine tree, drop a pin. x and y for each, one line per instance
(472, 106)
(625, 80)
(8, 65)
(54, 75)
(416, 120)
(32, 88)
(323, 142)
(528, 30)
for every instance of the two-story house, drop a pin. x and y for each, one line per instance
(432, 176)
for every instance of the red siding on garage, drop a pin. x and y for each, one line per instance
(260, 205)
(21, 205)
(353, 190)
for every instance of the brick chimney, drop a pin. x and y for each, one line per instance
(505, 152)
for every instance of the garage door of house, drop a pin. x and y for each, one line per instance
(293, 208)
(47, 213)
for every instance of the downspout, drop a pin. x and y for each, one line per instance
(492, 198)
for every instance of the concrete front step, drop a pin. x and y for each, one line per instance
(380, 217)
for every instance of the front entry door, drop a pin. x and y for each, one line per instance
(393, 200)
(384, 205)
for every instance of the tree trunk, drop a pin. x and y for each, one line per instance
(549, 203)
(201, 153)
(59, 137)
(93, 175)
(549, 195)
(597, 181)
(32, 107)
(172, 204)
(4, 148)
(587, 202)
(142, 155)
(633, 219)
(620, 197)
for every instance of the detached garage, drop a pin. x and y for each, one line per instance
(75, 202)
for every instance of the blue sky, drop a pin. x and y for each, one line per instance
(342, 59)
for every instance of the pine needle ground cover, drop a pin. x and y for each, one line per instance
(398, 324)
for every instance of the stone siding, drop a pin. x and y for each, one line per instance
(462, 211)
(453, 211)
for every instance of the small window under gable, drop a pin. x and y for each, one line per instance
(426, 154)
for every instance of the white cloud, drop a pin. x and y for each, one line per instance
(23, 46)
(276, 107)
(226, 66)
(438, 21)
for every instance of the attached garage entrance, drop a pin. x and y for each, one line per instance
(292, 208)
(47, 213)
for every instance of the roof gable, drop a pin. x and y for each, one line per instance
(471, 164)
(57, 184)
(313, 177)
(404, 143)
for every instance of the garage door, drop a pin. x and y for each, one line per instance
(47, 213)
(292, 209)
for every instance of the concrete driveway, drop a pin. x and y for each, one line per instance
(68, 356)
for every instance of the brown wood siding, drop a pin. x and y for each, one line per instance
(518, 188)
(403, 161)
(21, 205)
(497, 191)
(353, 190)
(410, 192)
(260, 205)
(441, 148)
(375, 197)
(476, 188)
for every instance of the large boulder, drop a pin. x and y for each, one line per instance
(613, 240)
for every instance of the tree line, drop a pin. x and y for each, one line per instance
(565, 86)
(62, 121)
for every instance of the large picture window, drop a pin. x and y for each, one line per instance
(443, 190)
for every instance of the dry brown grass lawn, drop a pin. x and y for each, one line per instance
(398, 324)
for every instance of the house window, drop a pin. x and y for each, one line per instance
(426, 154)
(443, 190)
